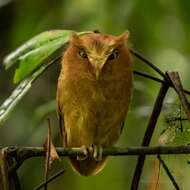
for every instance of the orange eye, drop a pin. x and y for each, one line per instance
(82, 54)
(113, 55)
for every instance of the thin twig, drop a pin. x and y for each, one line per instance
(168, 172)
(142, 58)
(150, 64)
(145, 75)
(50, 179)
(148, 76)
(148, 134)
(175, 80)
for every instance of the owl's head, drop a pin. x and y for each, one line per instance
(98, 50)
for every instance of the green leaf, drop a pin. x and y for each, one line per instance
(19, 92)
(34, 43)
(36, 51)
(33, 59)
(30, 57)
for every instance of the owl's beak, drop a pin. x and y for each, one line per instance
(98, 69)
(97, 73)
(97, 65)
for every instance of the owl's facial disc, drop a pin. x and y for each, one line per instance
(98, 61)
(98, 49)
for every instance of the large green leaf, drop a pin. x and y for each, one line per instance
(30, 57)
(33, 59)
(19, 92)
(34, 43)
(37, 50)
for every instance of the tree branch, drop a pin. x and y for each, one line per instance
(142, 58)
(22, 153)
(50, 179)
(168, 173)
(148, 134)
(176, 82)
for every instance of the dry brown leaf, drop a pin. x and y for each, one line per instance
(53, 153)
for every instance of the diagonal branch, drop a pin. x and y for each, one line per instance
(168, 173)
(175, 80)
(148, 134)
(142, 58)
(50, 179)
(145, 75)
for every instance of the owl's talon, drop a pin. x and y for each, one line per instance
(97, 154)
(90, 150)
(85, 154)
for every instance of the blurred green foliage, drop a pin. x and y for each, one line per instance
(158, 29)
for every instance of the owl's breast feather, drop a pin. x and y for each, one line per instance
(93, 109)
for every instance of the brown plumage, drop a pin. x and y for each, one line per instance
(93, 95)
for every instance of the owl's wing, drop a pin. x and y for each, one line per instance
(62, 127)
(122, 126)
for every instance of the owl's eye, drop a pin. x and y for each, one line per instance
(82, 54)
(113, 55)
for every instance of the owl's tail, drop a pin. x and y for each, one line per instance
(88, 166)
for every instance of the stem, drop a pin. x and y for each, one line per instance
(142, 58)
(176, 82)
(168, 173)
(49, 180)
(145, 75)
(148, 134)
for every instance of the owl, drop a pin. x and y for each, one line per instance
(93, 96)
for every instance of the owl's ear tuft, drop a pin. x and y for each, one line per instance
(123, 37)
(74, 38)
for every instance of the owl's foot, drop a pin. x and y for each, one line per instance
(94, 151)
(85, 153)
(97, 152)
